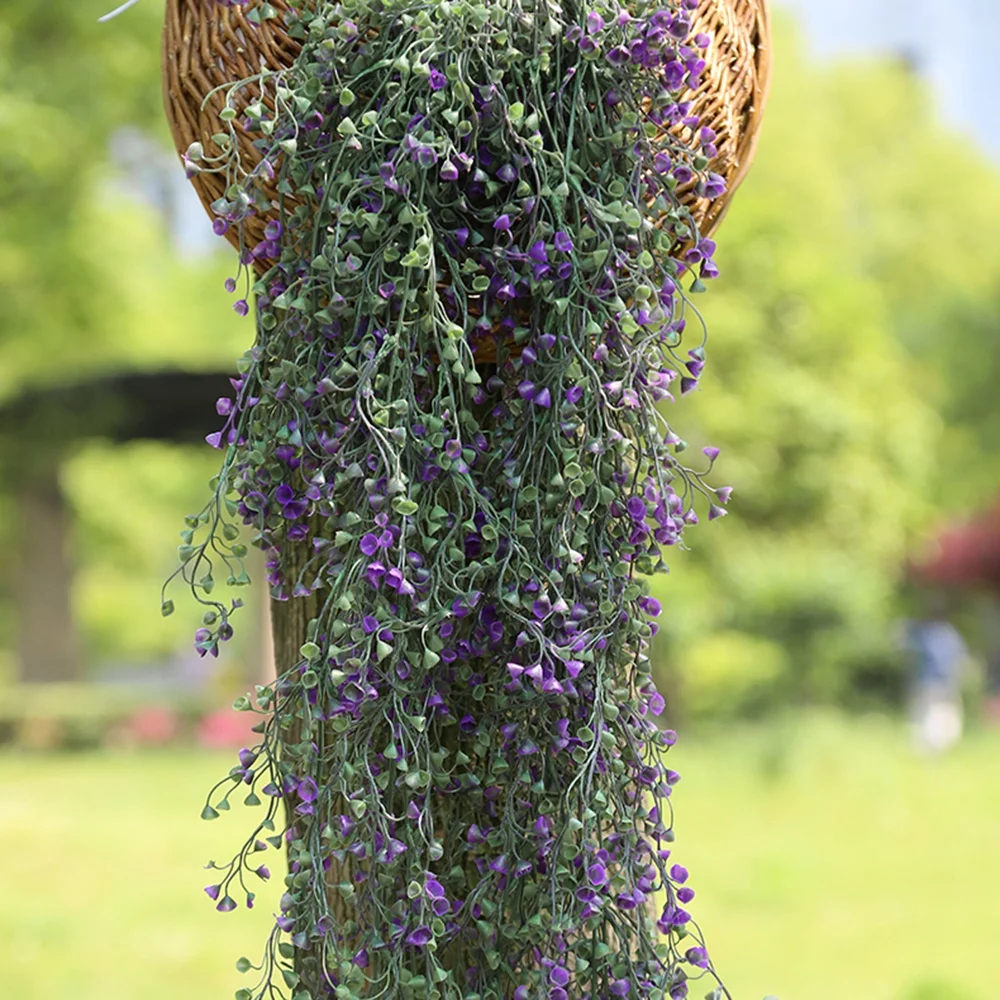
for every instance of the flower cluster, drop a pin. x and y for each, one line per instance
(472, 302)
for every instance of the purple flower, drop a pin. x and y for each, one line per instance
(620, 987)
(595, 23)
(449, 172)
(597, 874)
(369, 544)
(636, 508)
(715, 186)
(711, 452)
(420, 938)
(241, 307)
(502, 224)
(562, 242)
(308, 790)
(697, 956)
(661, 163)
(679, 873)
(437, 80)
(543, 398)
(618, 56)
(558, 976)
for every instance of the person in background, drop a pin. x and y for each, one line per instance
(938, 657)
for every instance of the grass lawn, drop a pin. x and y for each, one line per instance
(831, 863)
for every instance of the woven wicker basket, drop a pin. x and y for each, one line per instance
(206, 45)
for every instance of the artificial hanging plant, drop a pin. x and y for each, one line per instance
(462, 232)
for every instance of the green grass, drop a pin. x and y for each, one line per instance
(831, 863)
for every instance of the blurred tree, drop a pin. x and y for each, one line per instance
(846, 262)
(925, 212)
(90, 283)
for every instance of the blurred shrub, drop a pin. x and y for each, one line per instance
(730, 673)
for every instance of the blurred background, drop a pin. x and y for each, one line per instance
(830, 652)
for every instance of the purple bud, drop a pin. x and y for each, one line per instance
(597, 874)
(538, 253)
(419, 938)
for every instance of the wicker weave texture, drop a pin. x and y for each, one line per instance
(207, 46)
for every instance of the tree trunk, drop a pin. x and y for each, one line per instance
(47, 643)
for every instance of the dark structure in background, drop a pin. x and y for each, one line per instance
(38, 430)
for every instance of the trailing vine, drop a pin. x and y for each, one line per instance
(477, 804)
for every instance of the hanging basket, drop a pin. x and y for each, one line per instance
(207, 46)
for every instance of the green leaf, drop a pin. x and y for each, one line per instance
(405, 506)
